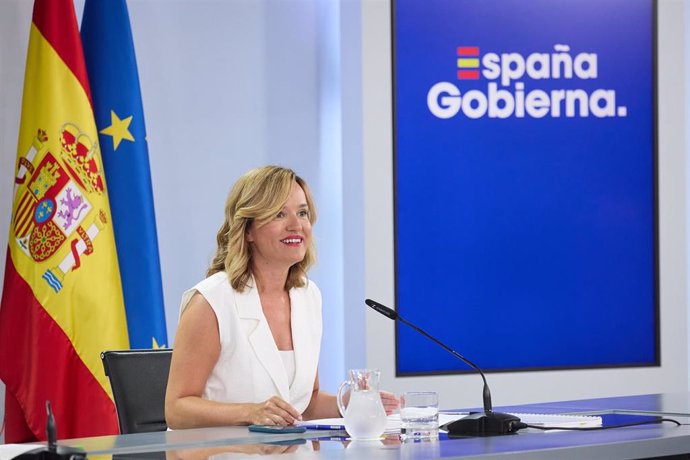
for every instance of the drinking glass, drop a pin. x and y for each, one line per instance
(419, 415)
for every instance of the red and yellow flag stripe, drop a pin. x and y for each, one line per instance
(62, 301)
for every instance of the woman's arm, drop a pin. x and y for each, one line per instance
(321, 405)
(196, 351)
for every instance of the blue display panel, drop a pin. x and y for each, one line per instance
(525, 183)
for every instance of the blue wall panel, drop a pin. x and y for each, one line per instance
(525, 183)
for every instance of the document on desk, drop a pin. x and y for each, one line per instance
(561, 420)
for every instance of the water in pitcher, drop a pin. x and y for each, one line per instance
(365, 417)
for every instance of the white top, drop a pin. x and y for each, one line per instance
(250, 368)
(288, 357)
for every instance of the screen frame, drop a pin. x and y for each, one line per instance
(656, 230)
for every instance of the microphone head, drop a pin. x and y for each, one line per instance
(51, 430)
(385, 311)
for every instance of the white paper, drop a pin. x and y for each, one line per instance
(8, 451)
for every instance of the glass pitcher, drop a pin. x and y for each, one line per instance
(365, 417)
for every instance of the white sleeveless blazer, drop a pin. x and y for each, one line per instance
(249, 368)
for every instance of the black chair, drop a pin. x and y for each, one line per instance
(139, 379)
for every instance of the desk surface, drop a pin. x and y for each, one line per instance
(236, 442)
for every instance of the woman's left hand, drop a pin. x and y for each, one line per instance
(390, 402)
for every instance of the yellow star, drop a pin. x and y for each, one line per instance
(118, 129)
(155, 344)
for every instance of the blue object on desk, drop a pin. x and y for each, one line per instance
(324, 427)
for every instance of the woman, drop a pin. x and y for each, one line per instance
(247, 344)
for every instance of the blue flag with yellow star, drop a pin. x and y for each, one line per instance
(112, 71)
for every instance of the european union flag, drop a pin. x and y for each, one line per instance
(112, 69)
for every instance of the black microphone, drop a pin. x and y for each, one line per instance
(487, 423)
(51, 430)
(52, 451)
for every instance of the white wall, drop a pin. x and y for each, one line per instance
(509, 388)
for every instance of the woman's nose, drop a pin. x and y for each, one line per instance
(293, 222)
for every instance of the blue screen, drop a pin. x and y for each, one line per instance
(525, 183)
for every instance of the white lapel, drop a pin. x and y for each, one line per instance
(261, 339)
(302, 342)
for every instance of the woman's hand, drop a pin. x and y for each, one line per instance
(390, 402)
(273, 411)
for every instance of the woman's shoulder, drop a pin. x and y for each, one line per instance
(211, 289)
(215, 281)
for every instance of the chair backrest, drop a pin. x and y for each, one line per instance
(139, 379)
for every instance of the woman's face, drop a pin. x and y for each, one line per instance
(283, 241)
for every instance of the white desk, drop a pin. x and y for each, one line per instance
(237, 442)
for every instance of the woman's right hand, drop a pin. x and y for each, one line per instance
(273, 411)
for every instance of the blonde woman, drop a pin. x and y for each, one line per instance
(247, 345)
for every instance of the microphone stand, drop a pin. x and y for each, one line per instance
(52, 451)
(487, 423)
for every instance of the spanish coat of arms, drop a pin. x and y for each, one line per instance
(52, 212)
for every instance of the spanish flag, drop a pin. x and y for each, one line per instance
(62, 303)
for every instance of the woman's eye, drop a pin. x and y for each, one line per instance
(281, 214)
(304, 213)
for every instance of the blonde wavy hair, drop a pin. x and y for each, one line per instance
(257, 196)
